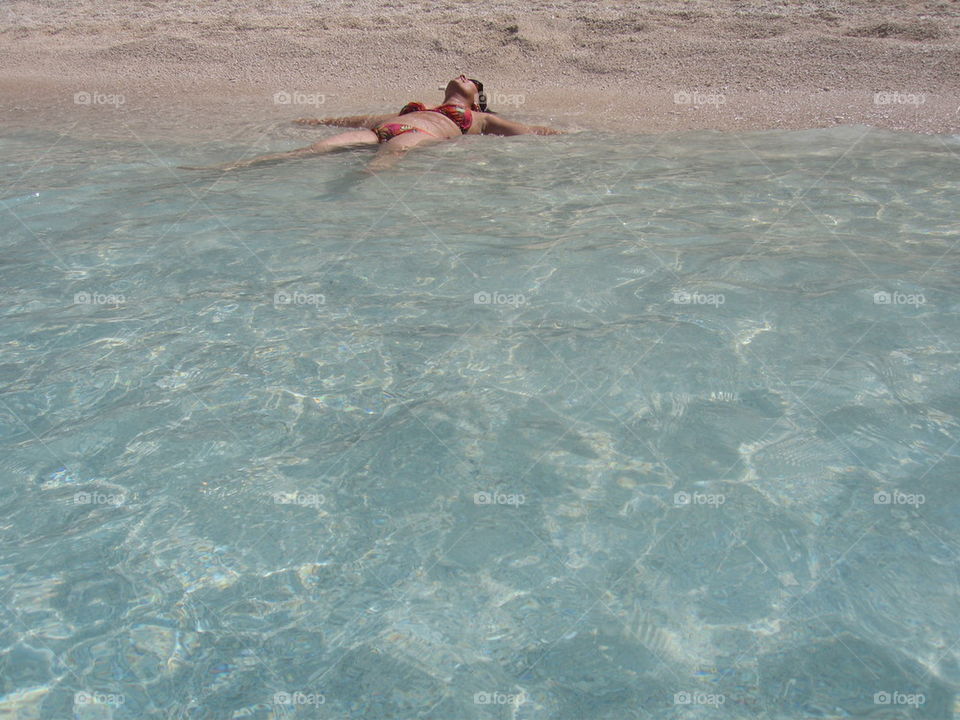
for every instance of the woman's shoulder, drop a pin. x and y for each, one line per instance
(481, 120)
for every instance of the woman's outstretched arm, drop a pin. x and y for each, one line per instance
(357, 121)
(496, 125)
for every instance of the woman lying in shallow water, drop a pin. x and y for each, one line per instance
(463, 112)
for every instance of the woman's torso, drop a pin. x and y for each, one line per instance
(435, 122)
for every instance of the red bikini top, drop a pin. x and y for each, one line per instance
(462, 116)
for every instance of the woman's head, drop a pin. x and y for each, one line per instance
(470, 92)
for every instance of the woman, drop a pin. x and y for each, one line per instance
(463, 112)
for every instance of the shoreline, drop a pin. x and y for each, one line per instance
(111, 109)
(654, 67)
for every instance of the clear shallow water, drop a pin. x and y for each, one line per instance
(686, 410)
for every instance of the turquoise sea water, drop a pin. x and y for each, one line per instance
(575, 427)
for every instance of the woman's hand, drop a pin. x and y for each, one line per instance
(544, 130)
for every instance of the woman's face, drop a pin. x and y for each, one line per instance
(463, 86)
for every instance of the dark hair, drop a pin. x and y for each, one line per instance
(481, 96)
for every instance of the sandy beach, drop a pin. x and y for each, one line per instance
(644, 67)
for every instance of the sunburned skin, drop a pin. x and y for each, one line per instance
(398, 134)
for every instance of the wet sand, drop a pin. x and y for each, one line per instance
(153, 68)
